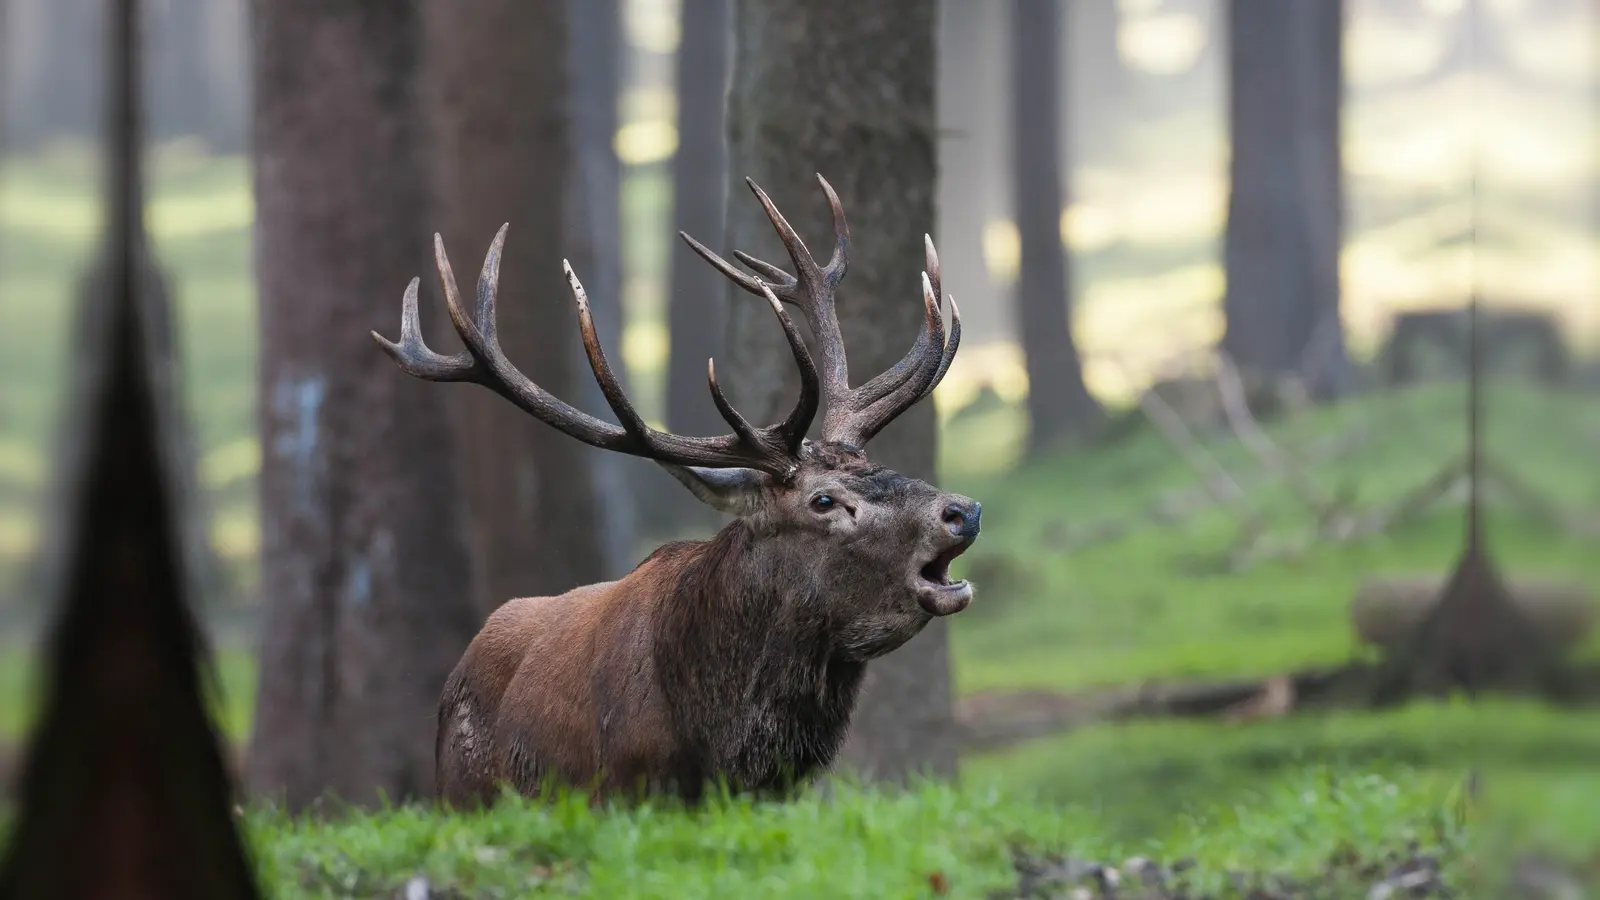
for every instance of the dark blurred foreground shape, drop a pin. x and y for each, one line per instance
(124, 791)
(846, 89)
(363, 549)
(1477, 636)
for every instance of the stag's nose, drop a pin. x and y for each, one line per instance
(961, 517)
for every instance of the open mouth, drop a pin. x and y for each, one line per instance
(937, 570)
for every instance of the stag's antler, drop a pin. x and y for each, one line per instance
(853, 416)
(774, 449)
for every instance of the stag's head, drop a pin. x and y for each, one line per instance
(870, 549)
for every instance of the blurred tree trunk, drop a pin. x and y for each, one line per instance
(367, 582)
(594, 247)
(695, 319)
(63, 95)
(1098, 86)
(1060, 406)
(500, 112)
(974, 171)
(861, 114)
(1285, 208)
(180, 83)
(226, 49)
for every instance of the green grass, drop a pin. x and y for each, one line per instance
(1155, 604)
(854, 843)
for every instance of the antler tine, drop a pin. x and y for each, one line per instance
(877, 403)
(413, 355)
(915, 376)
(839, 262)
(810, 288)
(616, 397)
(771, 449)
(794, 428)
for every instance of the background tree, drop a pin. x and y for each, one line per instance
(502, 121)
(695, 320)
(180, 84)
(594, 246)
(366, 578)
(1060, 406)
(1286, 200)
(1099, 86)
(862, 115)
(59, 93)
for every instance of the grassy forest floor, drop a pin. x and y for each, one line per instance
(1056, 612)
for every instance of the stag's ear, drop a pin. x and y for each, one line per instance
(737, 492)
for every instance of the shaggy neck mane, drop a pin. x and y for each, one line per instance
(745, 661)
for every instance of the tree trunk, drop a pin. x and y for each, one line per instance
(366, 581)
(502, 124)
(861, 114)
(1099, 86)
(695, 319)
(180, 84)
(63, 91)
(1285, 208)
(1060, 406)
(975, 172)
(594, 247)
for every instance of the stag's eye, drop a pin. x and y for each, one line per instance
(822, 503)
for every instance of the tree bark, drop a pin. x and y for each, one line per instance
(1285, 208)
(847, 90)
(1060, 406)
(502, 124)
(367, 583)
(695, 319)
(594, 246)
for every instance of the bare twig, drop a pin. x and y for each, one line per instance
(1236, 407)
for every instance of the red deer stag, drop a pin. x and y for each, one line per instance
(735, 659)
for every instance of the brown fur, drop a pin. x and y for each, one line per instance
(736, 658)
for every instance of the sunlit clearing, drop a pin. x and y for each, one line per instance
(997, 365)
(644, 347)
(639, 143)
(1507, 7)
(1162, 44)
(1379, 52)
(1087, 228)
(1002, 251)
(652, 25)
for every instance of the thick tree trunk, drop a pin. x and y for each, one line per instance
(502, 125)
(861, 113)
(594, 247)
(695, 320)
(1285, 209)
(1060, 406)
(365, 577)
